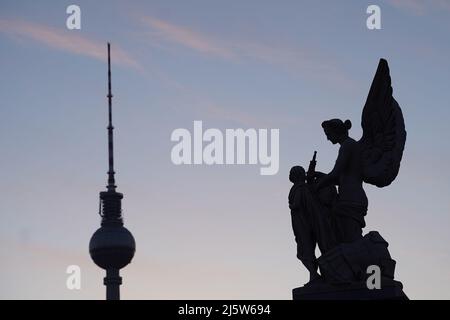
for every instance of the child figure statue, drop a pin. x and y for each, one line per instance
(310, 217)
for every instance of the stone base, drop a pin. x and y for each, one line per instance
(390, 290)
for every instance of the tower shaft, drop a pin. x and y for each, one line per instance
(111, 181)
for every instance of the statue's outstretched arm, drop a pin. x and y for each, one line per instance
(319, 174)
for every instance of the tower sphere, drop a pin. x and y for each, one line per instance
(112, 247)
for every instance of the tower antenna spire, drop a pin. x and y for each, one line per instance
(111, 181)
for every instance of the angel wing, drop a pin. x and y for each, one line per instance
(384, 134)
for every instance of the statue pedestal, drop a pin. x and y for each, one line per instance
(390, 290)
(344, 273)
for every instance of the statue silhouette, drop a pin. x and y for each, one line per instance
(351, 206)
(310, 214)
(334, 220)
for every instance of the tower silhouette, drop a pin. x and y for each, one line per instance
(112, 246)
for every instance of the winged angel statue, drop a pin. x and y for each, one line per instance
(334, 219)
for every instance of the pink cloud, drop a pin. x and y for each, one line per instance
(64, 40)
(167, 32)
(443, 4)
(412, 6)
(420, 7)
(187, 38)
(299, 60)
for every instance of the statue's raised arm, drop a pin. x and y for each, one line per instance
(384, 134)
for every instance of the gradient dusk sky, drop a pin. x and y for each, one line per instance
(209, 232)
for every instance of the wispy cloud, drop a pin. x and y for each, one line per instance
(188, 38)
(420, 7)
(305, 62)
(64, 40)
(411, 6)
(168, 35)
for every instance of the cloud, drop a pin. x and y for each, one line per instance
(443, 4)
(302, 61)
(65, 40)
(411, 6)
(420, 7)
(187, 38)
(165, 35)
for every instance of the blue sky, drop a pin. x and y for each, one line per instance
(209, 231)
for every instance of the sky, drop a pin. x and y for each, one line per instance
(209, 232)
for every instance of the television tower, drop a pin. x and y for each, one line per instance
(112, 246)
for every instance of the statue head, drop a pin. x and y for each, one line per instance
(297, 174)
(336, 130)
